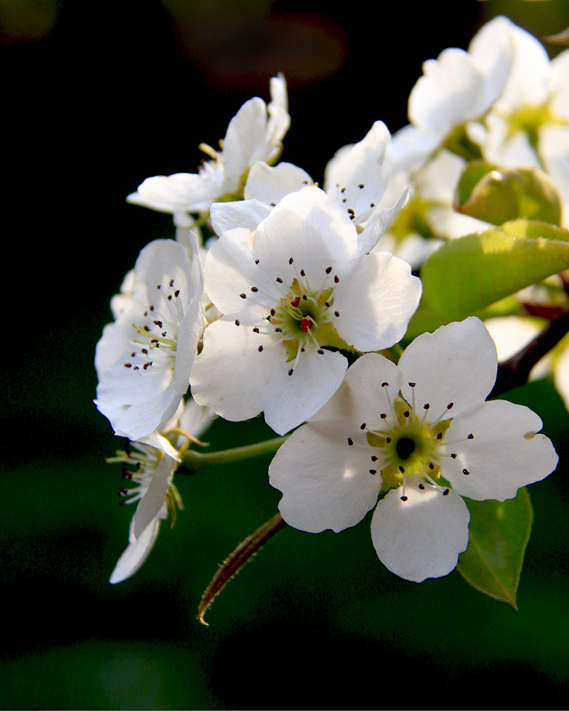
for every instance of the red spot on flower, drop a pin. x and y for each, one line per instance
(305, 324)
(295, 302)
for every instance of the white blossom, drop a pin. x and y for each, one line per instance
(460, 86)
(144, 358)
(254, 134)
(419, 436)
(289, 292)
(151, 470)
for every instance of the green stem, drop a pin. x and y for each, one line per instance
(192, 460)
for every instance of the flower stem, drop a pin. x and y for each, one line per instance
(244, 552)
(193, 460)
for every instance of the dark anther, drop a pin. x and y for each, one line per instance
(470, 436)
(243, 296)
(254, 289)
(350, 441)
(445, 492)
(372, 471)
(453, 455)
(465, 472)
(403, 498)
(328, 270)
(363, 426)
(260, 348)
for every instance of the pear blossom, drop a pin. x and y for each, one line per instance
(528, 125)
(411, 440)
(152, 471)
(355, 178)
(254, 134)
(293, 294)
(460, 86)
(143, 359)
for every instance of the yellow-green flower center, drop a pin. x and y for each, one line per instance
(303, 318)
(409, 447)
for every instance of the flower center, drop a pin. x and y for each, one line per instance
(409, 444)
(303, 318)
(156, 340)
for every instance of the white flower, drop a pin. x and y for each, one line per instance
(144, 358)
(355, 178)
(461, 86)
(289, 291)
(419, 435)
(529, 124)
(254, 134)
(152, 472)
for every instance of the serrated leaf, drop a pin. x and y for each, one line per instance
(497, 195)
(498, 536)
(470, 273)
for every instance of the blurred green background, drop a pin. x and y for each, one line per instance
(97, 97)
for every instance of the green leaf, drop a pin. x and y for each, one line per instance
(470, 273)
(498, 535)
(497, 195)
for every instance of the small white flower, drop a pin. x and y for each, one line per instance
(144, 358)
(254, 134)
(461, 86)
(419, 435)
(152, 472)
(289, 291)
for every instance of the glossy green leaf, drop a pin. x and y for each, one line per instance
(498, 535)
(470, 273)
(497, 195)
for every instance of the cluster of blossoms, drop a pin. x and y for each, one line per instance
(297, 307)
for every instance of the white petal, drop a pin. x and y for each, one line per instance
(292, 399)
(455, 364)
(231, 374)
(246, 214)
(270, 184)
(230, 271)
(309, 226)
(376, 301)
(244, 142)
(447, 93)
(361, 397)
(152, 503)
(136, 553)
(379, 222)
(423, 536)
(326, 482)
(504, 455)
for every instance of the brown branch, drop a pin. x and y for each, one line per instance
(514, 372)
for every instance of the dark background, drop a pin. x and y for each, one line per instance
(96, 97)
